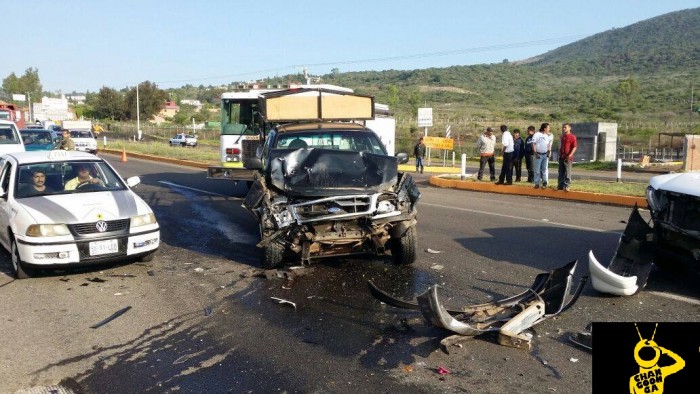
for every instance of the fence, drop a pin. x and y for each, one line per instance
(588, 150)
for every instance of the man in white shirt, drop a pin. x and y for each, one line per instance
(507, 169)
(542, 147)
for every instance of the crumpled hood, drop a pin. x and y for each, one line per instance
(84, 207)
(684, 183)
(325, 172)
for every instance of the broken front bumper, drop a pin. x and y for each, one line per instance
(510, 316)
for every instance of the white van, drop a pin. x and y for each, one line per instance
(84, 141)
(10, 140)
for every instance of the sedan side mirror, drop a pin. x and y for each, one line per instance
(133, 181)
(403, 157)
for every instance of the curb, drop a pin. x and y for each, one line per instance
(490, 187)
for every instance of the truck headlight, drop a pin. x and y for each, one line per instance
(143, 220)
(47, 230)
(385, 206)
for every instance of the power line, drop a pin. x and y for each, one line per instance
(390, 58)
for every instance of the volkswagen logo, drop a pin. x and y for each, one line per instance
(334, 210)
(101, 226)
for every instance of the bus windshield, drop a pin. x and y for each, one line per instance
(239, 116)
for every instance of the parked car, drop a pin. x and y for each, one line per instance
(39, 139)
(62, 209)
(184, 140)
(84, 141)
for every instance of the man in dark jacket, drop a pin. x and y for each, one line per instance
(528, 154)
(518, 153)
(419, 153)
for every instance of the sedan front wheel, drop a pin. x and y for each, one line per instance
(21, 271)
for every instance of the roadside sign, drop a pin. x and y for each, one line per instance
(19, 97)
(425, 117)
(447, 132)
(439, 143)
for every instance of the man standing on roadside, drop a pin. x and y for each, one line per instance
(419, 153)
(541, 145)
(507, 168)
(486, 144)
(518, 153)
(529, 154)
(567, 148)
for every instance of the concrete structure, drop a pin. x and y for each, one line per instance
(169, 110)
(52, 109)
(691, 149)
(596, 141)
(195, 103)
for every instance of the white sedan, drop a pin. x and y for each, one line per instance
(67, 208)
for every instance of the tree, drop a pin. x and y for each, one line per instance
(28, 83)
(392, 96)
(109, 104)
(151, 100)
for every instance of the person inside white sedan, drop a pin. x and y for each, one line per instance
(37, 187)
(83, 178)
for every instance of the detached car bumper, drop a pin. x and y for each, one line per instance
(106, 249)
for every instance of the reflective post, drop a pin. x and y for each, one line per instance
(619, 169)
(464, 166)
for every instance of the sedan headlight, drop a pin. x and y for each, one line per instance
(143, 220)
(47, 230)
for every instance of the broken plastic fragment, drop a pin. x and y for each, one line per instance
(283, 301)
(442, 370)
(433, 251)
(112, 317)
(437, 267)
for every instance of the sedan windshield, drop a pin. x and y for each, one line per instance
(65, 178)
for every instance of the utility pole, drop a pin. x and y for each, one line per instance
(138, 111)
(690, 114)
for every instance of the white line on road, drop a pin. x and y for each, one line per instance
(521, 218)
(193, 189)
(674, 297)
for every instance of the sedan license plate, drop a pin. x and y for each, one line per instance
(104, 247)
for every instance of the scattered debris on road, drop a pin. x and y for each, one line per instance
(285, 302)
(112, 317)
(510, 316)
(433, 251)
(584, 338)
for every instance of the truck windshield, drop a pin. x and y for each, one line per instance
(239, 117)
(339, 140)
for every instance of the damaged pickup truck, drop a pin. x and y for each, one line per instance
(330, 189)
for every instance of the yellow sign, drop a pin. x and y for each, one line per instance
(439, 143)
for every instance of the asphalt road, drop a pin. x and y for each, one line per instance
(202, 320)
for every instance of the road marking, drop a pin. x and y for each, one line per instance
(196, 190)
(675, 297)
(522, 218)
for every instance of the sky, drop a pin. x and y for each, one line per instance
(83, 45)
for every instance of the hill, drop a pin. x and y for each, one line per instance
(640, 76)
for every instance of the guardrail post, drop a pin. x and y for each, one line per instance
(464, 166)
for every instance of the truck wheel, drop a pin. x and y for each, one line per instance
(273, 256)
(21, 271)
(403, 249)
